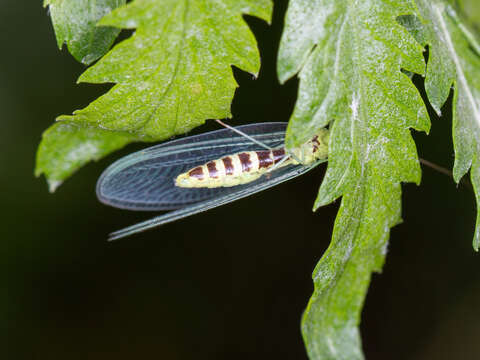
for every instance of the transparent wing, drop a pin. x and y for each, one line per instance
(144, 180)
(280, 176)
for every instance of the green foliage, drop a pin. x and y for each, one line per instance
(171, 75)
(66, 146)
(349, 62)
(352, 58)
(75, 23)
(175, 71)
(453, 60)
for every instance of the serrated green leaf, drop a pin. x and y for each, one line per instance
(454, 59)
(75, 22)
(174, 72)
(66, 147)
(349, 56)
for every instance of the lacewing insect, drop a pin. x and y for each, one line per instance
(201, 172)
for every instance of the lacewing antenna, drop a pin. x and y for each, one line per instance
(256, 142)
(445, 171)
(243, 134)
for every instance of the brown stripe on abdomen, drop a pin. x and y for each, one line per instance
(197, 173)
(212, 169)
(245, 161)
(278, 155)
(315, 143)
(228, 164)
(264, 159)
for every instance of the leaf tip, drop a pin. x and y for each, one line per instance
(53, 185)
(286, 69)
(476, 244)
(320, 201)
(476, 237)
(460, 169)
(437, 108)
(284, 72)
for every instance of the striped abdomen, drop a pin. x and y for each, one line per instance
(232, 170)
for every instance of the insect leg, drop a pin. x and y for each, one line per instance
(278, 164)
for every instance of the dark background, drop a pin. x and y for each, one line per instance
(234, 289)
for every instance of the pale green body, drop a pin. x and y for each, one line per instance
(245, 167)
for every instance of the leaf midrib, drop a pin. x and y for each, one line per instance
(174, 74)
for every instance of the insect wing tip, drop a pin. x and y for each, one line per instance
(112, 237)
(116, 235)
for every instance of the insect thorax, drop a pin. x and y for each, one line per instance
(313, 150)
